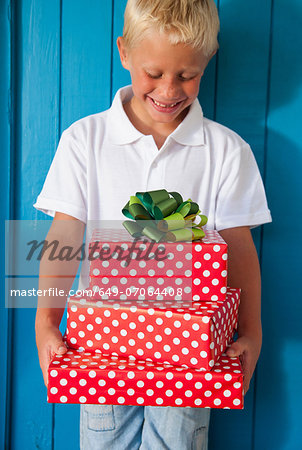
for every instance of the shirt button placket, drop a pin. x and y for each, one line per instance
(155, 169)
(155, 176)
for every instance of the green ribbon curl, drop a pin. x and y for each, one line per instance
(170, 218)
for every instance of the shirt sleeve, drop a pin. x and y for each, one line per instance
(65, 187)
(241, 199)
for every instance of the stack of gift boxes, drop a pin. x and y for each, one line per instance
(153, 327)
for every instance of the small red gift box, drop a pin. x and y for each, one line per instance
(143, 269)
(194, 337)
(85, 377)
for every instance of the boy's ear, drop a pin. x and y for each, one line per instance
(213, 54)
(123, 52)
(208, 60)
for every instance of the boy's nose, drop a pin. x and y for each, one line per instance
(170, 89)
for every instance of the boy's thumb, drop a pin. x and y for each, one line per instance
(235, 349)
(61, 348)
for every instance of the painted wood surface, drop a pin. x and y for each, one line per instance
(60, 63)
(5, 116)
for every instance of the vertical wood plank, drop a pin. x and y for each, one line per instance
(208, 84)
(243, 68)
(5, 315)
(241, 105)
(207, 91)
(38, 85)
(86, 89)
(35, 68)
(120, 76)
(86, 58)
(278, 413)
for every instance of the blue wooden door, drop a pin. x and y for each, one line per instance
(60, 63)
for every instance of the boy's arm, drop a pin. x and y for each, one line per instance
(58, 274)
(244, 273)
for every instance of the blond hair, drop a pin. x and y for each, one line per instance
(191, 22)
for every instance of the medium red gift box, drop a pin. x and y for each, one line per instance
(191, 270)
(86, 377)
(195, 336)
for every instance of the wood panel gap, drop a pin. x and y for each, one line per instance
(60, 72)
(216, 75)
(12, 211)
(112, 50)
(265, 151)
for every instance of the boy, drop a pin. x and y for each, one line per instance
(154, 136)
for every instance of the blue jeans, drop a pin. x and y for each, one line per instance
(143, 427)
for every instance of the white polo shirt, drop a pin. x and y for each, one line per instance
(102, 159)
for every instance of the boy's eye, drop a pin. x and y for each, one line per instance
(181, 77)
(153, 75)
(186, 78)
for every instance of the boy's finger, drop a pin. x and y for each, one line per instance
(247, 375)
(44, 362)
(248, 370)
(246, 385)
(236, 349)
(58, 346)
(45, 376)
(62, 349)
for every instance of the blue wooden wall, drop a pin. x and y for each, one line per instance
(58, 63)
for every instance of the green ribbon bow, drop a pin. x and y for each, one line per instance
(169, 217)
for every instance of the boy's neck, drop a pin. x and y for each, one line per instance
(159, 131)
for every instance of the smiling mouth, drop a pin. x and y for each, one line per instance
(165, 107)
(162, 105)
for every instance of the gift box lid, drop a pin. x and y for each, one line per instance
(185, 270)
(121, 235)
(117, 248)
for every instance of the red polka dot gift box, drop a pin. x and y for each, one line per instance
(87, 377)
(195, 336)
(127, 268)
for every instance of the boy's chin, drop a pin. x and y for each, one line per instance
(168, 117)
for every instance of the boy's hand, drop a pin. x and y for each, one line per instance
(68, 232)
(248, 351)
(244, 272)
(49, 342)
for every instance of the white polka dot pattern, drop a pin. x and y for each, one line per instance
(146, 288)
(85, 377)
(201, 267)
(194, 336)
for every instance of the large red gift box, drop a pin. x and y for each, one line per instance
(143, 269)
(194, 337)
(86, 377)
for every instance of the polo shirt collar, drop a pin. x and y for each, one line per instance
(189, 132)
(121, 129)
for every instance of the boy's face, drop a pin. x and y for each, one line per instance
(165, 78)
